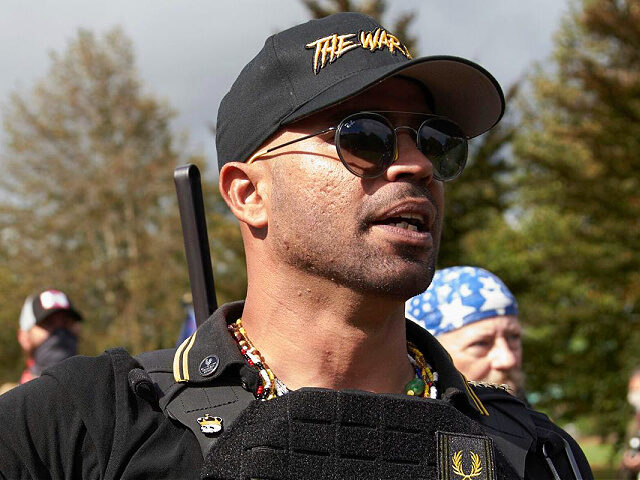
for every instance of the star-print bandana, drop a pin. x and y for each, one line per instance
(458, 296)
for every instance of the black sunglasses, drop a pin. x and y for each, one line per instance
(367, 144)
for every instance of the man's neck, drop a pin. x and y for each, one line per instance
(316, 333)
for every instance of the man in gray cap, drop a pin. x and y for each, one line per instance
(333, 147)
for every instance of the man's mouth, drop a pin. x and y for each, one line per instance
(413, 216)
(413, 222)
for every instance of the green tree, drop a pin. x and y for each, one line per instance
(480, 197)
(572, 251)
(87, 202)
(13, 295)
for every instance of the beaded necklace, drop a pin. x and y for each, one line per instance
(422, 385)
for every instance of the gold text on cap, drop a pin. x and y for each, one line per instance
(329, 49)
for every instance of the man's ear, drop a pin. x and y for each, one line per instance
(242, 187)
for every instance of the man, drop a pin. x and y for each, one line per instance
(332, 146)
(49, 330)
(474, 316)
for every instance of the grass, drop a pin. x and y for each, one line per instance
(606, 474)
(602, 457)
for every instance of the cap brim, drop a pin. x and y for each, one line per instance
(462, 91)
(70, 311)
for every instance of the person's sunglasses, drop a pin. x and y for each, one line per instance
(367, 144)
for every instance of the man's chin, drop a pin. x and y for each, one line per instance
(412, 276)
(408, 285)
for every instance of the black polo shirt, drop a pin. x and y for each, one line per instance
(81, 418)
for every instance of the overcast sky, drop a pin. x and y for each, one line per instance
(190, 51)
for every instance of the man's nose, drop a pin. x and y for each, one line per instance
(411, 163)
(502, 356)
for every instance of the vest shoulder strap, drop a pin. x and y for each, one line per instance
(205, 410)
(158, 364)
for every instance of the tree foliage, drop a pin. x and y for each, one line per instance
(481, 195)
(87, 202)
(573, 255)
(10, 352)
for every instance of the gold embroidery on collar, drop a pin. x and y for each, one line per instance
(334, 46)
(182, 353)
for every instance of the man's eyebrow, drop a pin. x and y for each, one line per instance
(484, 335)
(477, 337)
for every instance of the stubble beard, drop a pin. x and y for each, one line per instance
(307, 239)
(365, 272)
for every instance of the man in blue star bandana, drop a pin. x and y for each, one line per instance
(475, 317)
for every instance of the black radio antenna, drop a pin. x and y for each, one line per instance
(196, 240)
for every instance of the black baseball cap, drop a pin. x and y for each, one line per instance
(48, 302)
(315, 65)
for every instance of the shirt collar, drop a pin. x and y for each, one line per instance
(211, 352)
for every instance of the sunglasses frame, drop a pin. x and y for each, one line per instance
(378, 115)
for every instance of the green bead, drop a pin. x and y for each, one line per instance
(415, 387)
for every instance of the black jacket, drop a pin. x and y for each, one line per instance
(85, 418)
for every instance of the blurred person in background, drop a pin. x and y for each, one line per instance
(49, 331)
(474, 316)
(631, 457)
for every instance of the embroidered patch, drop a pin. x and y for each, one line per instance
(209, 365)
(465, 457)
(328, 49)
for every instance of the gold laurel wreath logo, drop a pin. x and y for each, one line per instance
(476, 465)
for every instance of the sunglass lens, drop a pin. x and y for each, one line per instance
(366, 144)
(445, 145)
